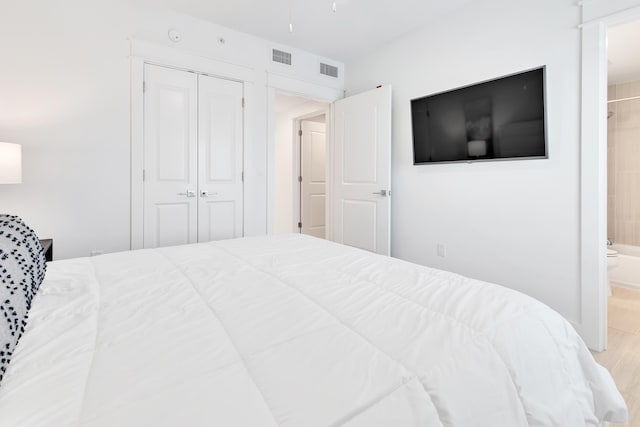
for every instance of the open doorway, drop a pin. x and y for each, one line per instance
(611, 156)
(597, 21)
(300, 165)
(623, 177)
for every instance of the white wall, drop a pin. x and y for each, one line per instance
(285, 162)
(515, 223)
(64, 95)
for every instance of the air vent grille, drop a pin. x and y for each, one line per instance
(281, 57)
(328, 70)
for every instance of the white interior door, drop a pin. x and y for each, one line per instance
(170, 157)
(220, 159)
(313, 172)
(362, 172)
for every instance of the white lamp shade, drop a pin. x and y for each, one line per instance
(10, 163)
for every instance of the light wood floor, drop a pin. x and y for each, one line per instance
(622, 357)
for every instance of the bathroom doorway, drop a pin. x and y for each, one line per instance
(623, 161)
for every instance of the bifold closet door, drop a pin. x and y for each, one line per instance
(220, 159)
(193, 158)
(170, 157)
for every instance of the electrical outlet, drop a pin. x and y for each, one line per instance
(441, 250)
(96, 252)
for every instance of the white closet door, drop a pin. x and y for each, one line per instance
(170, 157)
(362, 174)
(313, 173)
(220, 159)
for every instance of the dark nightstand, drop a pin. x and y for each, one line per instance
(47, 245)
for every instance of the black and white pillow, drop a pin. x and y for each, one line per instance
(22, 269)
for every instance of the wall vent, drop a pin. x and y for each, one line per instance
(281, 57)
(328, 70)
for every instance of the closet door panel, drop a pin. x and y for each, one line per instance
(173, 225)
(220, 220)
(220, 159)
(170, 157)
(221, 143)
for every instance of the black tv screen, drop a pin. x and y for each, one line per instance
(498, 119)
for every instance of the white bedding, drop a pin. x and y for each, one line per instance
(293, 331)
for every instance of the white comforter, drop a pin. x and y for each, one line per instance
(293, 331)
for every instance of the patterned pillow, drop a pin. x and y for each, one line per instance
(22, 268)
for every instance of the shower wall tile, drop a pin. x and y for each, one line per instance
(623, 165)
(611, 125)
(627, 206)
(627, 200)
(634, 107)
(632, 148)
(611, 218)
(611, 171)
(611, 161)
(622, 204)
(627, 150)
(625, 232)
(626, 115)
(627, 90)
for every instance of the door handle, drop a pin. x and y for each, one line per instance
(188, 193)
(381, 193)
(205, 193)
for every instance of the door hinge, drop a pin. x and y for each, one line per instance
(242, 102)
(242, 176)
(144, 86)
(144, 175)
(300, 132)
(299, 179)
(299, 225)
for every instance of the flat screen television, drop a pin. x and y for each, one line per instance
(496, 120)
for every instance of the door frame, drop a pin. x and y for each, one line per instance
(593, 179)
(297, 164)
(141, 53)
(277, 83)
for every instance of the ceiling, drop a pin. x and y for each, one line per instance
(624, 53)
(356, 28)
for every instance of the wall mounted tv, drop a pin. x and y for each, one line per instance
(495, 120)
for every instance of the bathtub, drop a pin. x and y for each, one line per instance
(625, 268)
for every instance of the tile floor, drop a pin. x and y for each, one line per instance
(622, 357)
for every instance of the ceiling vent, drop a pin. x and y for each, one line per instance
(281, 57)
(328, 70)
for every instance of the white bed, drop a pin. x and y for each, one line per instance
(293, 331)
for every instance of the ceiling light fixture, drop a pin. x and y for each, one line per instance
(291, 16)
(334, 6)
